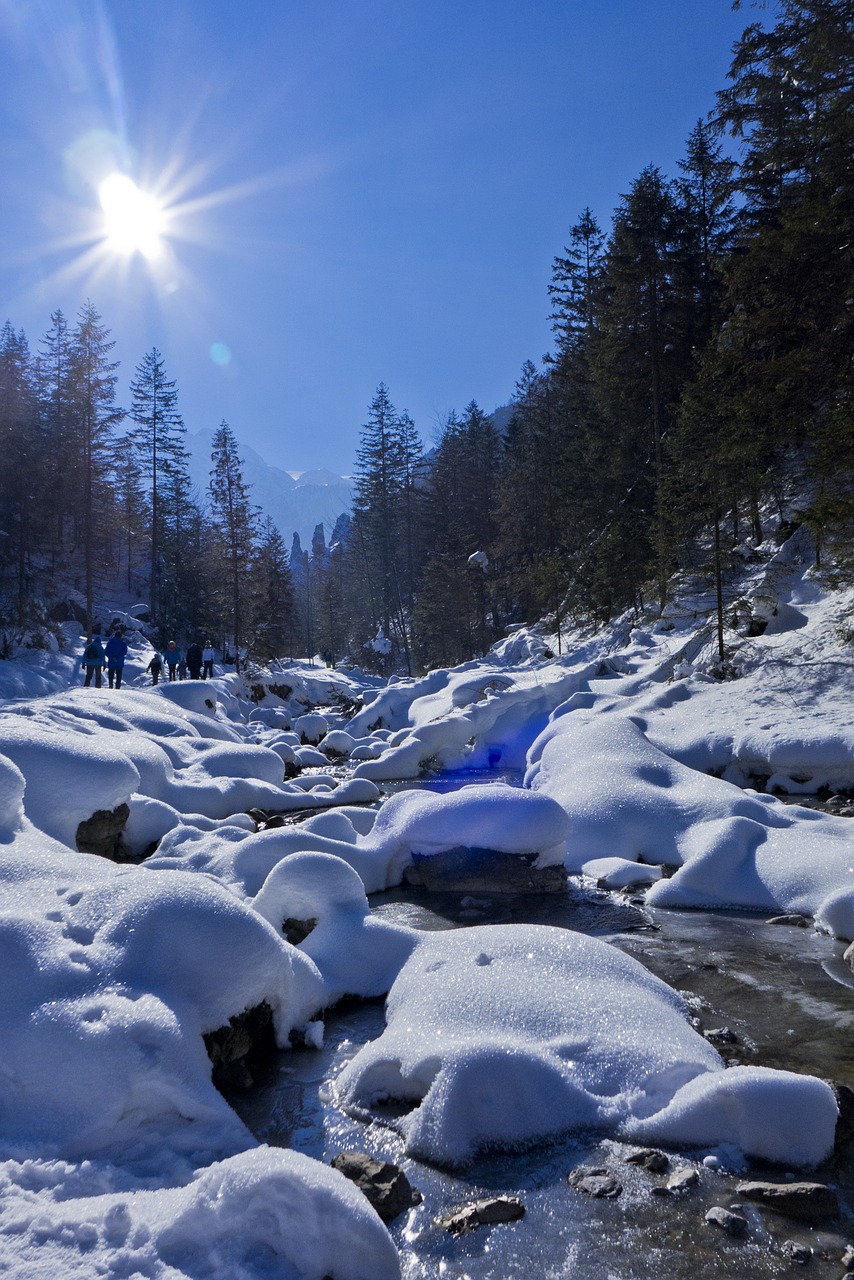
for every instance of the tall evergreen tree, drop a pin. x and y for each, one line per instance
(96, 417)
(234, 523)
(158, 444)
(272, 596)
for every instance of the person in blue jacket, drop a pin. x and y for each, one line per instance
(172, 654)
(116, 650)
(93, 661)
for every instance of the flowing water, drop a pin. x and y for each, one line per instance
(783, 993)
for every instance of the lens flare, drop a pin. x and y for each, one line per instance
(134, 221)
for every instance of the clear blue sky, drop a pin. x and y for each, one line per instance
(362, 190)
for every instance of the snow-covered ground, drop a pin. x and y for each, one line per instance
(119, 1155)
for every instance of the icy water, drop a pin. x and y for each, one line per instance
(784, 993)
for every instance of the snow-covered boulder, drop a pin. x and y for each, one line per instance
(311, 728)
(505, 1035)
(356, 953)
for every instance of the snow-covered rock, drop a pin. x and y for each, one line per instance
(501, 1036)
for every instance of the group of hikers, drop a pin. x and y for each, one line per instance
(198, 661)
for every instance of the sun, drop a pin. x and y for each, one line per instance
(134, 220)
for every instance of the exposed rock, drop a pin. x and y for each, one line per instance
(734, 1224)
(465, 870)
(241, 1048)
(384, 1185)
(801, 1253)
(721, 1035)
(808, 1201)
(794, 918)
(101, 834)
(296, 931)
(845, 1102)
(847, 1258)
(683, 1179)
(653, 1161)
(598, 1183)
(483, 1213)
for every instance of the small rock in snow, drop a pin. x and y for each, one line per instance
(794, 918)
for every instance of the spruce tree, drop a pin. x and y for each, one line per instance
(158, 444)
(95, 419)
(234, 524)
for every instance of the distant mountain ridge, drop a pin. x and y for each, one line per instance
(296, 501)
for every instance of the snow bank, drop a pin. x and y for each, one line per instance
(263, 1211)
(626, 799)
(116, 972)
(505, 1035)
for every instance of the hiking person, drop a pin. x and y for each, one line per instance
(155, 666)
(116, 651)
(208, 660)
(93, 660)
(195, 660)
(182, 668)
(173, 657)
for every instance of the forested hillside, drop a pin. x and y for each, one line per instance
(702, 357)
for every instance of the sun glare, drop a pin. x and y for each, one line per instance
(134, 221)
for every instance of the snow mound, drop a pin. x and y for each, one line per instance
(355, 952)
(259, 1212)
(625, 798)
(505, 1035)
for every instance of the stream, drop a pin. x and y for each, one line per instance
(783, 998)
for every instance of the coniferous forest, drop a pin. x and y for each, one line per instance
(702, 359)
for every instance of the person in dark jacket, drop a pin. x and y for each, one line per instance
(155, 666)
(116, 650)
(93, 661)
(194, 660)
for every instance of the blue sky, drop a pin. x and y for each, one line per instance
(361, 190)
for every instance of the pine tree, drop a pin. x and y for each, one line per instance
(158, 444)
(385, 521)
(234, 522)
(272, 597)
(95, 419)
(19, 433)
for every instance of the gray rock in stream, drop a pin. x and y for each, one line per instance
(384, 1185)
(482, 1213)
(808, 1201)
(796, 1252)
(683, 1179)
(598, 1183)
(652, 1161)
(734, 1224)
